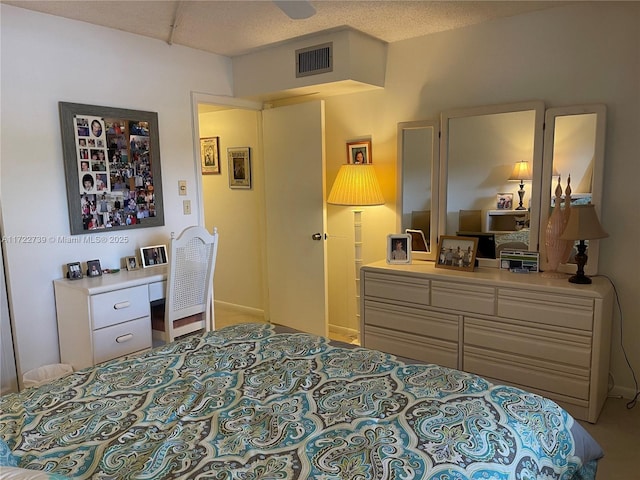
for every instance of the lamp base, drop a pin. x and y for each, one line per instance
(580, 279)
(521, 195)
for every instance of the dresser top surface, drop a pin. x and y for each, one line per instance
(114, 281)
(485, 276)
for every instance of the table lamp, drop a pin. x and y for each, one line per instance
(356, 185)
(583, 225)
(521, 172)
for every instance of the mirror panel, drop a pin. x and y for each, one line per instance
(479, 148)
(418, 157)
(574, 145)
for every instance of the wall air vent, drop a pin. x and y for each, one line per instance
(314, 60)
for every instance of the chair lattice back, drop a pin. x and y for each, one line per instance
(192, 262)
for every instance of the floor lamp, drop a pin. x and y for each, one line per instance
(356, 186)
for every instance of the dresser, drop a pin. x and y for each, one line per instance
(103, 318)
(546, 336)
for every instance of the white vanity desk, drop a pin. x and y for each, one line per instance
(101, 318)
(548, 336)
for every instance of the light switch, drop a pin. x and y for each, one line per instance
(186, 207)
(182, 187)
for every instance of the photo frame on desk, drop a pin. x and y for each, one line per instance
(154, 256)
(132, 263)
(74, 271)
(93, 268)
(112, 168)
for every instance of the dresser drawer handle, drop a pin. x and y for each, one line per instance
(121, 305)
(124, 338)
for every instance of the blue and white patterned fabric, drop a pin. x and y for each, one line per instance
(245, 402)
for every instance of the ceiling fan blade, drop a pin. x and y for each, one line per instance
(296, 9)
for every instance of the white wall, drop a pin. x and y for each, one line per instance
(587, 53)
(45, 60)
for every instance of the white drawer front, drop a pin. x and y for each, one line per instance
(562, 348)
(429, 350)
(550, 309)
(122, 339)
(463, 297)
(157, 290)
(119, 306)
(398, 288)
(412, 320)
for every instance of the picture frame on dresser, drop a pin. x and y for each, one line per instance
(457, 253)
(399, 248)
(93, 268)
(132, 263)
(154, 256)
(74, 271)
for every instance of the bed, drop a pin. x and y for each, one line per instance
(249, 402)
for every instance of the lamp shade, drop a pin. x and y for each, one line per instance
(521, 171)
(583, 224)
(356, 185)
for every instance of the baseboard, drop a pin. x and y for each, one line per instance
(623, 392)
(239, 308)
(343, 331)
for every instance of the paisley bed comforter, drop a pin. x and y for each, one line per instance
(245, 402)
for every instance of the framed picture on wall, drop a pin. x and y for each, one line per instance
(399, 248)
(359, 153)
(111, 167)
(239, 167)
(457, 253)
(210, 155)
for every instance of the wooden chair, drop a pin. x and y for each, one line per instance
(188, 305)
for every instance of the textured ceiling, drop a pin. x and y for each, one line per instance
(233, 28)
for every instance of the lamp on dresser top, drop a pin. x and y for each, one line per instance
(583, 225)
(357, 186)
(520, 173)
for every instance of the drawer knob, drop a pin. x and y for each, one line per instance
(121, 305)
(124, 338)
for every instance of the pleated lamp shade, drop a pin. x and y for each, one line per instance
(521, 171)
(356, 185)
(583, 224)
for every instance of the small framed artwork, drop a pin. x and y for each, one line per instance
(153, 256)
(359, 153)
(457, 253)
(504, 201)
(210, 155)
(132, 263)
(399, 248)
(74, 271)
(239, 167)
(93, 268)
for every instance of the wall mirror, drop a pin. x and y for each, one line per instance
(574, 146)
(478, 185)
(418, 156)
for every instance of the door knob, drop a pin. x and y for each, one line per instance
(317, 236)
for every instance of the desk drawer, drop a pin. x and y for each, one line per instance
(119, 306)
(157, 290)
(122, 339)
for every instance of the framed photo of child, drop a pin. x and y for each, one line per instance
(399, 248)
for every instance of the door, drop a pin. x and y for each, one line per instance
(294, 163)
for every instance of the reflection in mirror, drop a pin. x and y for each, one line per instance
(481, 148)
(418, 185)
(574, 146)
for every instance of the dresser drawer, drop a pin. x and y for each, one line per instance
(410, 346)
(549, 309)
(119, 306)
(463, 297)
(122, 339)
(529, 342)
(538, 374)
(157, 290)
(397, 288)
(412, 320)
